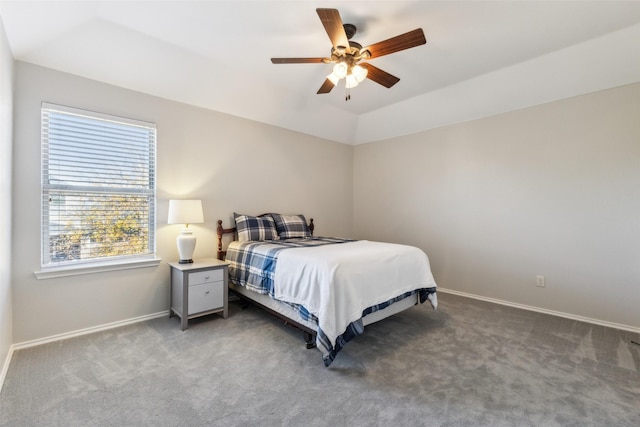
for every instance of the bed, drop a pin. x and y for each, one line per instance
(329, 288)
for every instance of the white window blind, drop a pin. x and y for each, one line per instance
(98, 187)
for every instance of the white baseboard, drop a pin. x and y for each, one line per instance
(72, 334)
(544, 310)
(5, 367)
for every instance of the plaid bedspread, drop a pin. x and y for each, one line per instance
(252, 265)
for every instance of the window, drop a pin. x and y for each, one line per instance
(98, 187)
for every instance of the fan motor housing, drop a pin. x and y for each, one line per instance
(350, 30)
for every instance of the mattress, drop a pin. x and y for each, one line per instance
(287, 311)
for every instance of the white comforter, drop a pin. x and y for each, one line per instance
(337, 282)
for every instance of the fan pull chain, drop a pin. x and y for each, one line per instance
(347, 95)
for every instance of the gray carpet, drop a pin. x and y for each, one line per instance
(468, 363)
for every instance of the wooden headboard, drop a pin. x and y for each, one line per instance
(222, 231)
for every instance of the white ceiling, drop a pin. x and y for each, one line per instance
(481, 57)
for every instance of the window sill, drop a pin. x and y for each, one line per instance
(53, 272)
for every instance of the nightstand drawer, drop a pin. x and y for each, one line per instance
(205, 297)
(205, 277)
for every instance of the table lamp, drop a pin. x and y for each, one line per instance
(186, 212)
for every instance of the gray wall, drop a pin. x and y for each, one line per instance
(6, 136)
(550, 190)
(232, 164)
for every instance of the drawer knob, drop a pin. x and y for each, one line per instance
(206, 293)
(206, 277)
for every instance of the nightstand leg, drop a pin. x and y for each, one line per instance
(225, 311)
(185, 301)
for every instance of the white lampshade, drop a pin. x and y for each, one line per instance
(333, 78)
(351, 81)
(185, 212)
(359, 72)
(340, 70)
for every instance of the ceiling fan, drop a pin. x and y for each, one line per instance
(348, 55)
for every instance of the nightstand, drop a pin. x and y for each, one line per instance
(198, 289)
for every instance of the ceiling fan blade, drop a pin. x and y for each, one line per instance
(379, 76)
(332, 22)
(395, 44)
(297, 60)
(326, 87)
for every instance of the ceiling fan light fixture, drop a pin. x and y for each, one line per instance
(340, 70)
(351, 81)
(359, 72)
(333, 78)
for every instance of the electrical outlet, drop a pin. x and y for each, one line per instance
(540, 281)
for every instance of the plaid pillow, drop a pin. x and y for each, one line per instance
(252, 228)
(290, 226)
